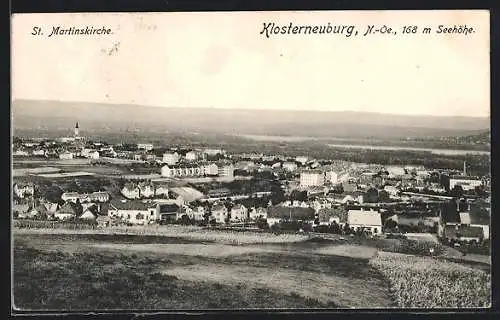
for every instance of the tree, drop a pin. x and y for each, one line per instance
(53, 194)
(383, 196)
(185, 219)
(277, 198)
(207, 215)
(347, 229)
(390, 224)
(479, 191)
(338, 189)
(457, 191)
(445, 182)
(371, 196)
(298, 195)
(262, 223)
(335, 228)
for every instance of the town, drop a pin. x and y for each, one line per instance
(74, 179)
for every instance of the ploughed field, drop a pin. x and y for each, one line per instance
(190, 268)
(88, 272)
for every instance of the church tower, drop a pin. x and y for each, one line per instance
(77, 130)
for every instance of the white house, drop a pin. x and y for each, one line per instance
(331, 176)
(361, 220)
(467, 183)
(181, 171)
(395, 171)
(66, 212)
(66, 156)
(213, 152)
(220, 213)
(24, 190)
(39, 152)
(171, 158)
(161, 191)
(20, 153)
(192, 156)
(147, 189)
(93, 155)
(131, 191)
(302, 159)
(289, 166)
(273, 221)
(258, 213)
(100, 196)
(239, 213)
(199, 213)
(226, 171)
(471, 220)
(145, 146)
(312, 178)
(134, 212)
(352, 198)
(91, 213)
(391, 190)
(211, 169)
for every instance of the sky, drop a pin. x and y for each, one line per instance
(220, 60)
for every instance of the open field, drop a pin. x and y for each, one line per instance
(66, 174)
(180, 267)
(175, 231)
(423, 282)
(108, 272)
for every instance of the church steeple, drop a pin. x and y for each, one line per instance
(77, 130)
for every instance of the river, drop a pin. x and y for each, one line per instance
(449, 152)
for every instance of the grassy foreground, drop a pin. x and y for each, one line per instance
(84, 281)
(89, 272)
(191, 268)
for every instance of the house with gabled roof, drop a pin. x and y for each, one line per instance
(147, 189)
(103, 221)
(365, 220)
(239, 213)
(220, 213)
(51, 208)
(91, 213)
(39, 212)
(168, 211)
(131, 191)
(132, 211)
(67, 211)
(327, 216)
(23, 190)
(161, 190)
(256, 213)
(475, 220)
(20, 209)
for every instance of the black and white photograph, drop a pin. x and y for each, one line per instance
(293, 160)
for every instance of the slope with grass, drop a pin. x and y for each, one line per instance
(80, 272)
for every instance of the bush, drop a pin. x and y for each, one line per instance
(262, 224)
(413, 247)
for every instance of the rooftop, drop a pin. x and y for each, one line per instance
(361, 217)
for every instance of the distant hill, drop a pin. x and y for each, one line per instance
(55, 116)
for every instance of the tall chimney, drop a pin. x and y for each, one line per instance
(465, 168)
